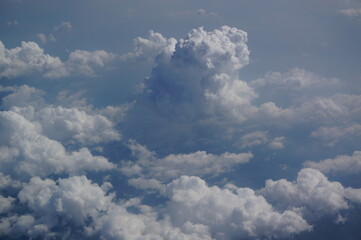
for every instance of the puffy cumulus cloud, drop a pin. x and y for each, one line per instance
(201, 77)
(25, 151)
(295, 79)
(341, 163)
(196, 94)
(23, 96)
(79, 123)
(312, 194)
(76, 197)
(6, 182)
(155, 46)
(148, 165)
(70, 203)
(119, 223)
(85, 62)
(238, 213)
(30, 58)
(333, 135)
(5, 203)
(76, 208)
(261, 138)
(71, 125)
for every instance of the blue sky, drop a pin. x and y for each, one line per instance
(180, 119)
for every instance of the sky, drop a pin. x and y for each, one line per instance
(180, 120)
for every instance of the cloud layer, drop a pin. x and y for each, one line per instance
(29, 58)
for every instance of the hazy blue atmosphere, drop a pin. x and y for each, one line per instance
(176, 120)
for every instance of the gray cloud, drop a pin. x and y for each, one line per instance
(64, 26)
(260, 138)
(351, 12)
(148, 166)
(333, 135)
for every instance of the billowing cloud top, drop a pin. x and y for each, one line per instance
(197, 153)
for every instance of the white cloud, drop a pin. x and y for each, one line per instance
(156, 169)
(77, 124)
(341, 163)
(77, 203)
(26, 152)
(30, 58)
(72, 125)
(229, 214)
(201, 77)
(84, 62)
(333, 135)
(295, 79)
(154, 46)
(339, 108)
(312, 194)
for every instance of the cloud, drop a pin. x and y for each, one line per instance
(341, 163)
(201, 78)
(333, 135)
(312, 194)
(351, 12)
(84, 63)
(26, 152)
(23, 96)
(154, 47)
(196, 96)
(200, 12)
(78, 203)
(5, 204)
(260, 138)
(76, 124)
(29, 58)
(13, 23)
(147, 165)
(235, 214)
(295, 79)
(43, 38)
(64, 26)
(339, 108)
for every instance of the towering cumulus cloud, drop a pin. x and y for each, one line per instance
(186, 158)
(201, 78)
